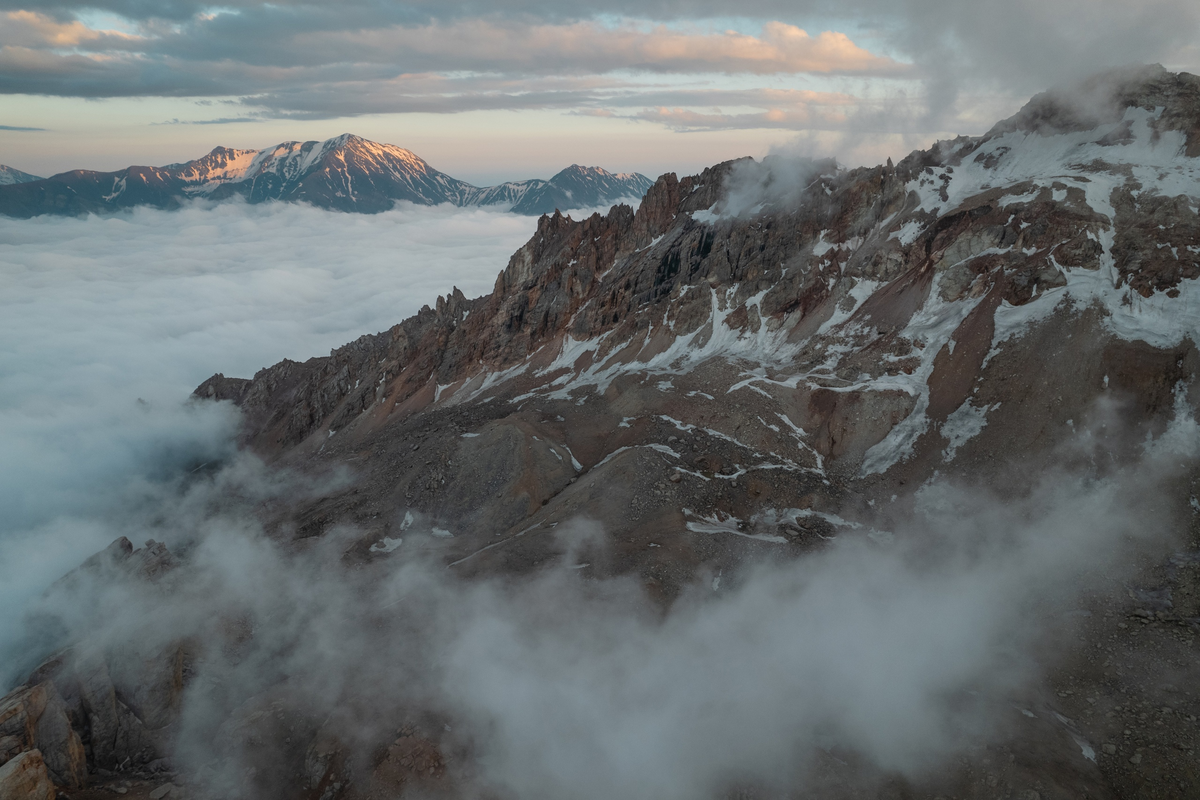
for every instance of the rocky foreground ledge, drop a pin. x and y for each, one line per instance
(69, 723)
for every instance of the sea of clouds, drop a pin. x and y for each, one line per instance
(108, 323)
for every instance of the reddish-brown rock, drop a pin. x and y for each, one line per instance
(25, 778)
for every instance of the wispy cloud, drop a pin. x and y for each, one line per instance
(18, 128)
(219, 121)
(24, 28)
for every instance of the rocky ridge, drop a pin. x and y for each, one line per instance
(346, 173)
(715, 383)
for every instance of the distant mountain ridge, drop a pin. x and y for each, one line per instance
(346, 173)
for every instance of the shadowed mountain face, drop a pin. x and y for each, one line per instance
(579, 187)
(765, 363)
(347, 173)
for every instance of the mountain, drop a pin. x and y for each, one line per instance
(574, 187)
(714, 380)
(763, 362)
(9, 176)
(346, 173)
(580, 187)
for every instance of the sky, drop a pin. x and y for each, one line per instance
(517, 89)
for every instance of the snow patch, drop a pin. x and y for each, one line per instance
(908, 232)
(720, 522)
(962, 425)
(386, 545)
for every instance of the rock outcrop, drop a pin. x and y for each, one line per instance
(25, 778)
(93, 708)
(34, 718)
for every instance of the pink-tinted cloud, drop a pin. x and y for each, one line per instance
(795, 118)
(35, 30)
(590, 47)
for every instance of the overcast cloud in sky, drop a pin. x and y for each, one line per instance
(653, 85)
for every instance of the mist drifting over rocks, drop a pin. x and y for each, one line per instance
(897, 649)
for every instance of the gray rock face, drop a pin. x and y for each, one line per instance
(128, 699)
(109, 719)
(61, 747)
(34, 718)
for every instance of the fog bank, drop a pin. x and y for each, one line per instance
(896, 653)
(108, 323)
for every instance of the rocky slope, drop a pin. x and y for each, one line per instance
(718, 380)
(346, 173)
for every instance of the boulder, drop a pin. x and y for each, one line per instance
(25, 778)
(35, 718)
(20, 710)
(118, 734)
(60, 745)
